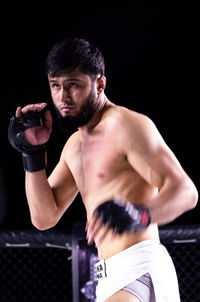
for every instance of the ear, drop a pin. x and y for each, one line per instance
(101, 84)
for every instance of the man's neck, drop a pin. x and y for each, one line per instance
(103, 104)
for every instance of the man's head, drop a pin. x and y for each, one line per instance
(75, 69)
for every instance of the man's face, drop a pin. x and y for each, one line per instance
(74, 97)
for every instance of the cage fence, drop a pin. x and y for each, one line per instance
(59, 266)
(35, 266)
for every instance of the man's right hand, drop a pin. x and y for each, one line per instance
(36, 135)
(120, 216)
(28, 132)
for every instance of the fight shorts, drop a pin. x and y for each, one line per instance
(146, 257)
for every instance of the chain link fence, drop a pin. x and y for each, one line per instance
(35, 267)
(57, 266)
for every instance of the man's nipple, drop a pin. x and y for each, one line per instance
(100, 175)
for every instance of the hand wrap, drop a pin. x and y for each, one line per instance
(33, 155)
(123, 217)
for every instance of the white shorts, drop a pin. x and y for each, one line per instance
(145, 257)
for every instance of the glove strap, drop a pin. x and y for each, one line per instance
(145, 217)
(34, 162)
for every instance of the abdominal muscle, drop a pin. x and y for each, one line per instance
(115, 243)
(111, 246)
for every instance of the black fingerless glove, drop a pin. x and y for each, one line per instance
(123, 217)
(33, 155)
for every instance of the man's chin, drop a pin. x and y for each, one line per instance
(66, 113)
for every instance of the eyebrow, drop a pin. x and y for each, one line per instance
(67, 80)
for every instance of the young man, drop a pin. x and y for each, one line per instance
(129, 180)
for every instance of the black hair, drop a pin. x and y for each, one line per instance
(72, 53)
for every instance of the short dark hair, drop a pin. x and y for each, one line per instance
(72, 53)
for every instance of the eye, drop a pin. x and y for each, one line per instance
(55, 85)
(73, 85)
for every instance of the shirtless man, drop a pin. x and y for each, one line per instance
(126, 174)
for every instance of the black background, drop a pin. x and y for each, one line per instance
(152, 60)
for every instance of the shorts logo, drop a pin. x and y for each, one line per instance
(101, 269)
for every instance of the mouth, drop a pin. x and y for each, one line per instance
(66, 108)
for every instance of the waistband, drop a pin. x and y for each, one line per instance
(101, 266)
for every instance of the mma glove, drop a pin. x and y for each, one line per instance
(34, 156)
(123, 216)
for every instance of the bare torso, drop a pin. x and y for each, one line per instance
(102, 172)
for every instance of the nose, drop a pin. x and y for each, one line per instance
(64, 95)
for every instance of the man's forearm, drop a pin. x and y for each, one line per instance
(172, 201)
(42, 204)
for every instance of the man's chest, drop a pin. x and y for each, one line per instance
(95, 161)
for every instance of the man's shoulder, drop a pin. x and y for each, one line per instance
(119, 115)
(127, 126)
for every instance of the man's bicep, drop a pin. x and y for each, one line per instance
(156, 165)
(63, 185)
(150, 156)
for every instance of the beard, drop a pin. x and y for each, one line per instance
(69, 124)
